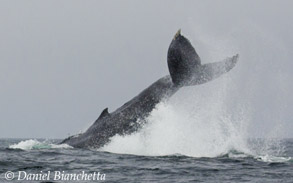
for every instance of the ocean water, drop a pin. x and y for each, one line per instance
(42, 156)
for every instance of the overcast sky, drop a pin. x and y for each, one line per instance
(63, 62)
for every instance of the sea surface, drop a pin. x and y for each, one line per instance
(27, 157)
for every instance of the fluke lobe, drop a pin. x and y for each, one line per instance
(185, 70)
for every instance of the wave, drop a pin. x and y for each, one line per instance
(264, 158)
(35, 144)
(273, 159)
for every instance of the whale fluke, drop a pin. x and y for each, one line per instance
(210, 71)
(185, 65)
(182, 59)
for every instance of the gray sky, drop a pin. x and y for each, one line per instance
(63, 62)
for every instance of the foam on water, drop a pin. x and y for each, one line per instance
(35, 144)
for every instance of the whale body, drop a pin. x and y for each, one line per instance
(185, 70)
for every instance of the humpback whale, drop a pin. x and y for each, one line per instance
(185, 70)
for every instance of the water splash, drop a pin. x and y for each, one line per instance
(200, 121)
(195, 122)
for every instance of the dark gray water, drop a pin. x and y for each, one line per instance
(41, 157)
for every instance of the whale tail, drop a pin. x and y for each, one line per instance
(185, 65)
